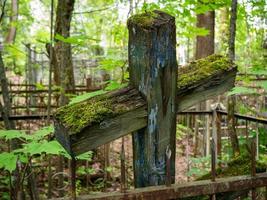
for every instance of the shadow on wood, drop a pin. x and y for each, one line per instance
(127, 111)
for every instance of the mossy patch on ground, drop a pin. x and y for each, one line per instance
(238, 166)
(202, 68)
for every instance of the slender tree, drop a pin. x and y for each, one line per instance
(205, 44)
(62, 49)
(62, 59)
(232, 99)
(13, 19)
(231, 43)
(204, 47)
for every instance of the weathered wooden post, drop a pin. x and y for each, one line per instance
(153, 70)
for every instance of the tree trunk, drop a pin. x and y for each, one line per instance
(5, 110)
(62, 63)
(232, 99)
(63, 49)
(205, 44)
(13, 19)
(223, 34)
(204, 47)
(231, 125)
(54, 63)
(232, 31)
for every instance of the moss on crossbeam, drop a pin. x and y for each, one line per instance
(91, 111)
(201, 69)
(77, 116)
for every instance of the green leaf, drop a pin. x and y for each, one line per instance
(241, 90)
(86, 96)
(41, 133)
(263, 84)
(110, 64)
(259, 71)
(78, 40)
(113, 85)
(85, 156)
(40, 86)
(13, 134)
(37, 148)
(8, 161)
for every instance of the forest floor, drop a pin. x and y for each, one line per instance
(184, 149)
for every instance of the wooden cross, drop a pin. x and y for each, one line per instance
(148, 106)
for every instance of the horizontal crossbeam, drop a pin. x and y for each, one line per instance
(237, 115)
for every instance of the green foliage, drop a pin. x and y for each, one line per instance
(12, 134)
(35, 144)
(8, 161)
(86, 96)
(111, 64)
(114, 85)
(241, 90)
(182, 131)
(85, 156)
(238, 166)
(263, 84)
(47, 147)
(199, 166)
(76, 40)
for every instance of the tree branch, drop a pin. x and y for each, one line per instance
(92, 11)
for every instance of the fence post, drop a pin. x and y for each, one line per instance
(153, 71)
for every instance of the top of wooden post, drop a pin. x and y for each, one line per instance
(149, 20)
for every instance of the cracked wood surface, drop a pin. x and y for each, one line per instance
(95, 135)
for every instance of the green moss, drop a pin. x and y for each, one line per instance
(202, 68)
(144, 19)
(240, 165)
(77, 116)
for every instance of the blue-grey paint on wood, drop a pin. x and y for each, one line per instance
(153, 70)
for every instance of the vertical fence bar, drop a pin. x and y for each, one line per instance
(219, 135)
(213, 165)
(214, 148)
(253, 166)
(123, 168)
(213, 160)
(73, 178)
(214, 136)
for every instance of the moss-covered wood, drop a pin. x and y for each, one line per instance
(153, 71)
(73, 122)
(83, 126)
(201, 69)
(77, 116)
(204, 79)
